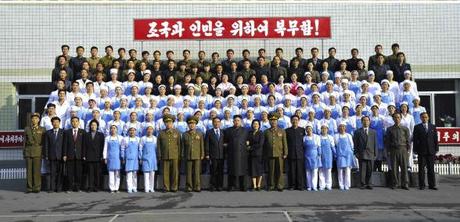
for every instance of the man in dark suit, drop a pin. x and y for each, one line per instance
(72, 155)
(53, 154)
(236, 138)
(426, 146)
(296, 169)
(365, 141)
(214, 151)
(93, 145)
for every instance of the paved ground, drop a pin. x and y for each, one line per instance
(380, 204)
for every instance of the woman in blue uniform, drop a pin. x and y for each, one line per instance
(111, 155)
(377, 124)
(344, 156)
(312, 154)
(327, 152)
(148, 159)
(130, 157)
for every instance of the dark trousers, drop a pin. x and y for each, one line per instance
(428, 162)
(56, 176)
(296, 173)
(365, 171)
(74, 174)
(93, 175)
(237, 181)
(217, 173)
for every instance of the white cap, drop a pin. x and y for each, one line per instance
(113, 71)
(177, 86)
(370, 72)
(147, 72)
(338, 75)
(407, 72)
(148, 85)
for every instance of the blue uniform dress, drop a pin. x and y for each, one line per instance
(113, 147)
(378, 126)
(130, 153)
(344, 150)
(319, 111)
(327, 151)
(148, 149)
(312, 152)
(181, 126)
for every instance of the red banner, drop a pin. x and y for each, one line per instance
(11, 139)
(231, 28)
(448, 135)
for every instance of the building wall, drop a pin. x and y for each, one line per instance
(32, 34)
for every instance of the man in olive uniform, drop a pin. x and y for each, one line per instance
(33, 143)
(169, 150)
(193, 153)
(397, 142)
(276, 150)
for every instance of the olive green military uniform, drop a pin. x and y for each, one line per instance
(397, 141)
(169, 147)
(275, 151)
(193, 153)
(107, 61)
(33, 144)
(93, 61)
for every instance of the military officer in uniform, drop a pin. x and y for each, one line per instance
(33, 144)
(276, 151)
(397, 141)
(169, 150)
(193, 153)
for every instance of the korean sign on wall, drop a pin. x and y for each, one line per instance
(231, 28)
(11, 139)
(449, 135)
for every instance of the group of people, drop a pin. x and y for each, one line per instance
(245, 118)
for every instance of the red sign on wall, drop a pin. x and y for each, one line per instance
(11, 139)
(449, 135)
(231, 28)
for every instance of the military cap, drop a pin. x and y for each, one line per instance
(168, 118)
(273, 116)
(192, 119)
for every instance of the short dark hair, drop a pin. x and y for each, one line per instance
(362, 118)
(423, 113)
(74, 117)
(121, 49)
(55, 118)
(278, 49)
(354, 49)
(51, 105)
(246, 50)
(94, 47)
(145, 53)
(109, 47)
(237, 116)
(65, 46)
(132, 50)
(294, 116)
(297, 49)
(314, 48)
(61, 56)
(94, 121)
(80, 47)
(395, 45)
(230, 50)
(332, 48)
(185, 50)
(156, 51)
